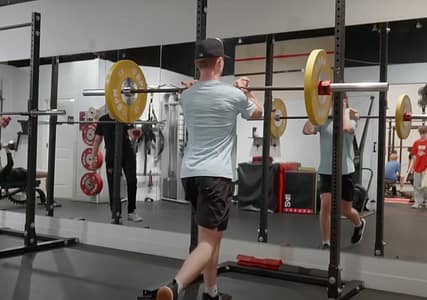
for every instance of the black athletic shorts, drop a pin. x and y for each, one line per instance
(210, 197)
(325, 186)
(17, 175)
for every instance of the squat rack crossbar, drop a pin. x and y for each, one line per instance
(29, 235)
(9, 27)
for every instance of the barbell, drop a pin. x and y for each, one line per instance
(47, 112)
(403, 117)
(126, 89)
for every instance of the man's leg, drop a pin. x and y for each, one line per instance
(194, 265)
(42, 174)
(212, 216)
(418, 190)
(199, 259)
(325, 217)
(110, 186)
(211, 271)
(129, 168)
(348, 210)
(350, 213)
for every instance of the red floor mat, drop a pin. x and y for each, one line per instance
(397, 200)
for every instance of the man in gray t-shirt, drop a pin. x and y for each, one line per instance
(325, 171)
(210, 110)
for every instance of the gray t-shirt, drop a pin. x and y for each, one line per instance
(325, 166)
(210, 111)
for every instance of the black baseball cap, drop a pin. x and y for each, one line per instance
(210, 48)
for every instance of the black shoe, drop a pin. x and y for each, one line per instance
(325, 246)
(358, 233)
(168, 292)
(220, 296)
(113, 221)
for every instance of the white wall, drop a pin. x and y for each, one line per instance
(231, 18)
(84, 26)
(93, 25)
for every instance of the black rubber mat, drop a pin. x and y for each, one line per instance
(90, 273)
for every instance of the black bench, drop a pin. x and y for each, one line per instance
(10, 189)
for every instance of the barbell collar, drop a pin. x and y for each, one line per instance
(410, 117)
(359, 87)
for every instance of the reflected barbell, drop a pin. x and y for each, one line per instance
(403, 117)
(126, 89)
(48, 112)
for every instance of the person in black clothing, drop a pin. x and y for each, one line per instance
(106, 132)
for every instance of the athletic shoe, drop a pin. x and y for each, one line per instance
(415, 205)
(120, 221)
(220, 296)
(325, 246)
(168, 292)
(358, 233)
(134, 217)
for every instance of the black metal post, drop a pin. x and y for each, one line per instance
(263, 216)
(389, 140)
(33, 104)
(393, 145)
(202, 13)
(379, 232)
(334, 271)
(1, 101)
(117, 171)
(52, 138)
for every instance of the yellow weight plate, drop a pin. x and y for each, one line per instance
(278, 126)
(317, 68)
(403, 106)
(125, 108)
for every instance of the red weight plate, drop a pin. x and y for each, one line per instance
(86, 160)
(90, 184)
(88, 134)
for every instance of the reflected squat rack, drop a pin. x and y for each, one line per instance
(31, 243)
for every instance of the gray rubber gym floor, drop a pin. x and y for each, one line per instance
(90, 273)
(402, 225)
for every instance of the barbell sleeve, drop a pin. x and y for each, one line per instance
(360, 87)
(93, 92)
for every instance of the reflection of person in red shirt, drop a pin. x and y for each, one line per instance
(418, 165)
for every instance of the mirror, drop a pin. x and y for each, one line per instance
(158, 162)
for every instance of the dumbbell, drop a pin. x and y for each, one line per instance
(10, 145)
